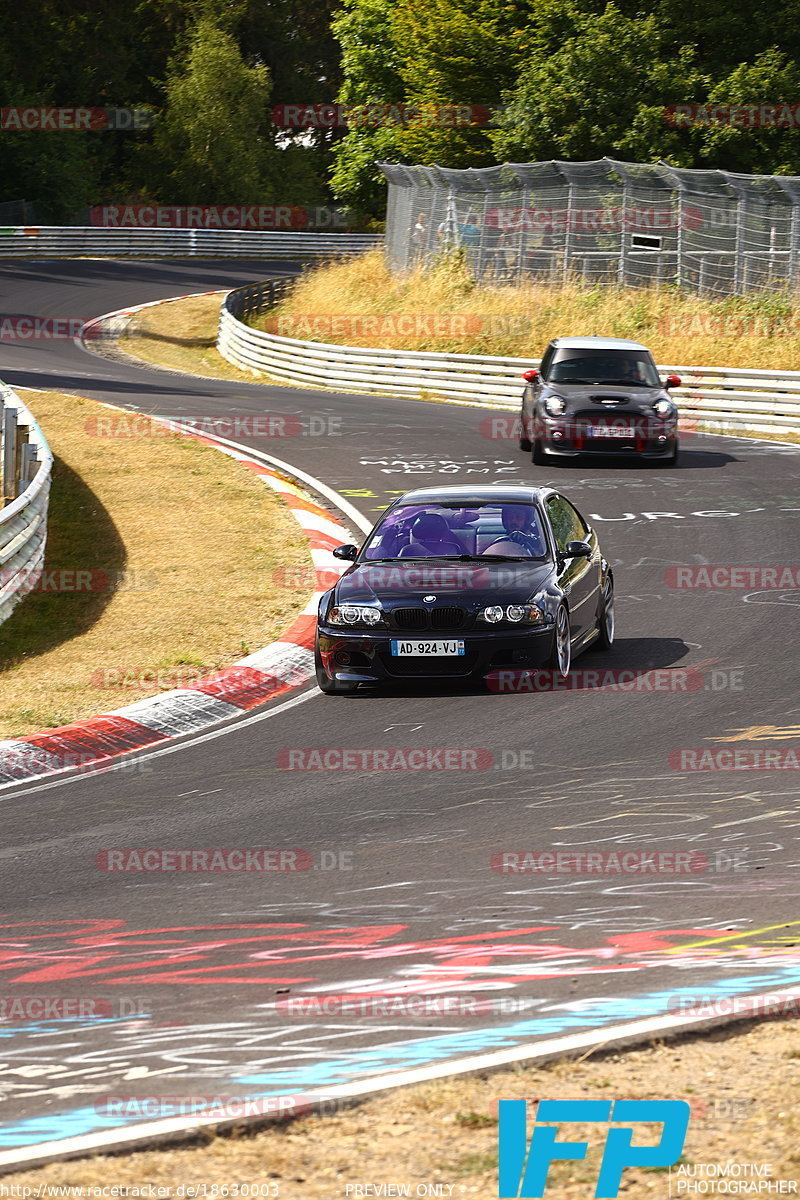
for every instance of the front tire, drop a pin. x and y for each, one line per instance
(672, 459)
(524, 442)
(538, 456)
(605, 622)
(561, 651)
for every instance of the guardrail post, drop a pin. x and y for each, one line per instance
(30, 465)
(23, 435)
(9, 454)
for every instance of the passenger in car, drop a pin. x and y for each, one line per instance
(430, 536)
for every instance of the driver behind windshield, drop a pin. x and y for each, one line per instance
(521, 530)
(630, 371)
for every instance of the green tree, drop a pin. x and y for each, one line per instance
(436, 54)
(601, 89)
(211, 145)
(756, 149)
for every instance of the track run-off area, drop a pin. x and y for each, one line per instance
(408, 939)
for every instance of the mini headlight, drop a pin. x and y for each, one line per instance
(554, 406)
(665, 409)
(354, 614)
(493, 614)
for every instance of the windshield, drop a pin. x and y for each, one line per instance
(625, 368)
(450, 531)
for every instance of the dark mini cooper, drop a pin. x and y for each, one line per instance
(464, 582)
(595, 395)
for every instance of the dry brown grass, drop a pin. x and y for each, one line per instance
(194, 538)
(737, 332)
(744, 1090)
(182, 335)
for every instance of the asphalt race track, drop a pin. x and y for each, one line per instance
(196, 970)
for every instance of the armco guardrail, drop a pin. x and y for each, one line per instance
(27, 466)
(72, 241)
(766, 401)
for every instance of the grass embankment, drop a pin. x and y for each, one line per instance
(181, 543)
(181, 335)
(679, 328)
(744, 1091)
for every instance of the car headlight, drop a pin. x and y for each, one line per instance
(554, 406)
(665, 409)
(355, 614)
(529, 614)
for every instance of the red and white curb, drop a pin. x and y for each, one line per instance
(285, 664)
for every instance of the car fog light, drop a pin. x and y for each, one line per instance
(341, 658)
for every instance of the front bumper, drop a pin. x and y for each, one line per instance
(369, 657)
(559, 437)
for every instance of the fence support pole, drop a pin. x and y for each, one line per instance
(739, 277)
(568, 233)
(623, 227)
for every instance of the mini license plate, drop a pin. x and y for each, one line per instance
(438, 649)
(612, 431)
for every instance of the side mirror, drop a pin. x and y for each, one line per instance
(672, 381)
(350, 553)
(578, 550)
(531, 375)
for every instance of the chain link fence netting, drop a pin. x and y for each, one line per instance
(634, 224)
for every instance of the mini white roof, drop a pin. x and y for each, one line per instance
(596, 343)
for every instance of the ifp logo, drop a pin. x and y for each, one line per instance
(523, 1171)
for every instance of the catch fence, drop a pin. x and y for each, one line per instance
(716, 233)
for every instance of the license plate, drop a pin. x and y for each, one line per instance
(612, 431)
(436, 649)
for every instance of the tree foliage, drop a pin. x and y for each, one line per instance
(567, 78)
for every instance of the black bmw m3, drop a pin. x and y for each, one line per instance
(464, 582)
